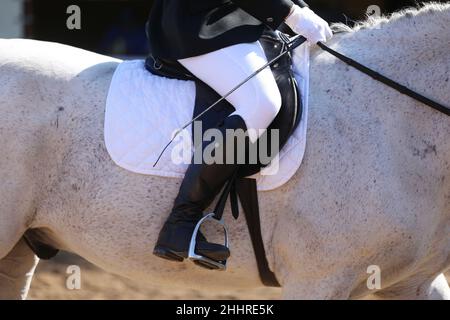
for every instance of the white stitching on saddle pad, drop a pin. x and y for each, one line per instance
(144, 110)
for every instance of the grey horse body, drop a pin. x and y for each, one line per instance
(374, 189)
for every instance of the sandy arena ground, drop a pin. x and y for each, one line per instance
(50, 283)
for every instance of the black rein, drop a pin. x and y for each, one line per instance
(391, 83)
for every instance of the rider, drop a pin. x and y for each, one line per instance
(217, 41)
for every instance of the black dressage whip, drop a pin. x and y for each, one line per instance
(291, 44)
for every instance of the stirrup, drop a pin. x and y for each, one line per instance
(201, 260)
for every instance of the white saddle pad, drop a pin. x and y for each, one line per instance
(143, 111)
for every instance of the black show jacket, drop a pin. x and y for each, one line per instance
(180, 29)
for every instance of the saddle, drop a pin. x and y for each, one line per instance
(274, 43)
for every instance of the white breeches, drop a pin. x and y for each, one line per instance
(259, 100)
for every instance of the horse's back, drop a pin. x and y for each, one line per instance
(34, 55)
(51, 95)
(39, 78)
(40, 73)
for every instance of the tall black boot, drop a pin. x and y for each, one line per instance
(201, 184)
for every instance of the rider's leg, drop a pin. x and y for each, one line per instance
(259, 100)
(257, 104)
(200, 184)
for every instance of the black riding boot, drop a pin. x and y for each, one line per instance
(201, 184)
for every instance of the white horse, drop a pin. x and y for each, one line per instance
(374, 189)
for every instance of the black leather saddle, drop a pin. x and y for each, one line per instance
(290, 113)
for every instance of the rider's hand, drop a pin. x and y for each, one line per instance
(305, 22)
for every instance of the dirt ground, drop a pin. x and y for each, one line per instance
(50, 279)
(49, 283)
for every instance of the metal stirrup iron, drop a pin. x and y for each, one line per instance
(202, 260)
(216, 217)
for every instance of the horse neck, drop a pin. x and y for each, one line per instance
(411, 48)
(343, 98)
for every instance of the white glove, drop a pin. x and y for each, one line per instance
(305, 22)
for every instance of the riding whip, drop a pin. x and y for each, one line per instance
(291, 44)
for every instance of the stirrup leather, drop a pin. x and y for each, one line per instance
(201, 260)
